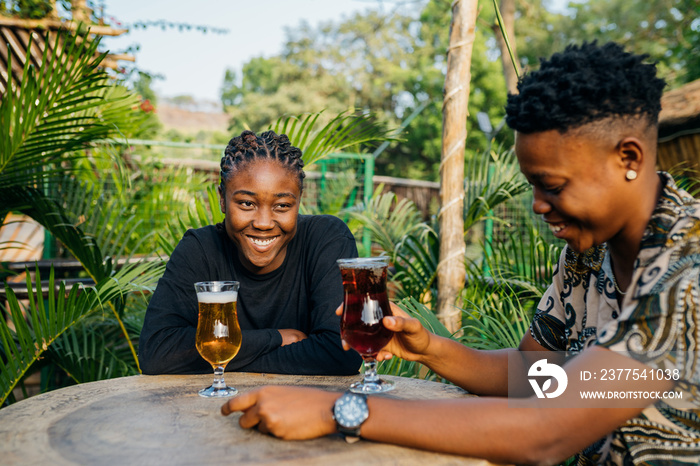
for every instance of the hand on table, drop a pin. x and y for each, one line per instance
(411, 340)
(291, 335)
(290, 413)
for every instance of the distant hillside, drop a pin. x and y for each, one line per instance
(190, 121)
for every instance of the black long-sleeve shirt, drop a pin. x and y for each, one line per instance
(302, 294)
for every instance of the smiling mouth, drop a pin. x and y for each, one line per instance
(556, 227)
(262, 242)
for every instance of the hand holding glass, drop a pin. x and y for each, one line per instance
(365, 305)
(218, 333)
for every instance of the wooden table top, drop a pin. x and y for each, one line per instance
(142, 420)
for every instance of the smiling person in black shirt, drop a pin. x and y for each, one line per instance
(285, 263)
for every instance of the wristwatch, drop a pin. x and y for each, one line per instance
(349, 412)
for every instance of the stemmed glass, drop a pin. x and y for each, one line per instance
(218, 333)
(365, 304)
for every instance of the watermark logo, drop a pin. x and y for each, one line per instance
(542, 368)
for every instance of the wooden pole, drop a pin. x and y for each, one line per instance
(451, 268)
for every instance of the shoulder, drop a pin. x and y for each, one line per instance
(204, 235)
(675, 220)
(671, 245)
(206, 238)
(323, 226)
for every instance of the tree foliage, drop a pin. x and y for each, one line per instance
(391, 62)
(387, 63)
(667, 30)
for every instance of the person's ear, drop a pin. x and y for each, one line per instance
(222, 199)
(631, 153)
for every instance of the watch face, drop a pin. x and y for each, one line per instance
(351, 410)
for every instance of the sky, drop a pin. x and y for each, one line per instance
(193, 63)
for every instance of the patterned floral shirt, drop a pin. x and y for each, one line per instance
(658, 324)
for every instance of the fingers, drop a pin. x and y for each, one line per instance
(291, 335)
(339, 312)
(241, 402)
(250, 418)
(397, 311)
(404, 323)
(246, 402)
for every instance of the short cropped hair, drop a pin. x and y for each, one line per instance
(584, 84)
(269, 145)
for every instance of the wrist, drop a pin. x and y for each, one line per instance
(436, 351)
(350, 411)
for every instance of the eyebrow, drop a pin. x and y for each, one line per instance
(251, 193)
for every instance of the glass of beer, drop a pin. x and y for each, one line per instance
(365, 304)
(218, 333)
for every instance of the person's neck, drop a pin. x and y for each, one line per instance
(624, 247)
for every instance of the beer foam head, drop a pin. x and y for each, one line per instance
(366, 263)
(223, 297)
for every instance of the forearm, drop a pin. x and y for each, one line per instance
(479, 427)
(319, 354)
(479, 372)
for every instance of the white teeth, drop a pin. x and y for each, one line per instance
(262, 242)
(557, 228)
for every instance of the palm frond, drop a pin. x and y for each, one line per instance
(526, 262)
(492, 179)
(387, 218)
(197, 217)
(53, 217)
(415, 262)
(86, 353)
(112, 221)
(344, 131)
(429, 320)
(27, 339)
(50, 114)
(497, 316)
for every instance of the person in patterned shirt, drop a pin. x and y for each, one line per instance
(625, 295)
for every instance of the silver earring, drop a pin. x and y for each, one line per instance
(631, 175)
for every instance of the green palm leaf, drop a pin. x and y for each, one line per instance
(27, 339)
(429, 320)
(415, 261)
(90, 351)
(496, 316)
(197, 217)
(492, 179)
(342, 132)
(416, 256)
(50, 114)
(387, 218)
(523, 262)
(52, 216)
(108, 220)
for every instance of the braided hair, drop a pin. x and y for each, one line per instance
(248, 147)
(584, 84)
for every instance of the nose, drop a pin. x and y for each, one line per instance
(263, 219)
(540, 206)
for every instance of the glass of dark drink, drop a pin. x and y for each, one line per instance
(218, 333)
(365, 305)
